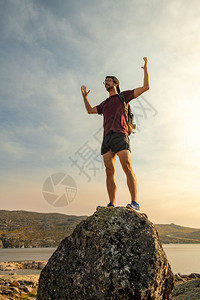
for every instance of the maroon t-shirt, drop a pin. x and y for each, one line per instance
(114, 114)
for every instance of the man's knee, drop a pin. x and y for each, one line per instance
(110, 169)
(127, 166)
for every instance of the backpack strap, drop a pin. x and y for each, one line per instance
(122, 98)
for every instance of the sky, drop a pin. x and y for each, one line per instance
(50, 146)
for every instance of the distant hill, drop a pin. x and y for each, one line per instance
(31, 229)
(172, 233)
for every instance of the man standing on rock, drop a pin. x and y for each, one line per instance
(116, 139)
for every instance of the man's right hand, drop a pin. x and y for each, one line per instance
(84, 91)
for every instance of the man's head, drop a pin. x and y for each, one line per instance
(111, 82)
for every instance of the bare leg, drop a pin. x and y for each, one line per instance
(125, 160)
(109, 162)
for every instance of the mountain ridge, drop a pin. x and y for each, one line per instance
(21, 228)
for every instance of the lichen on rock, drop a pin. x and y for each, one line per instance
(113, 254)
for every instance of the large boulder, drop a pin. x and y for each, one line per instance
(114, 254)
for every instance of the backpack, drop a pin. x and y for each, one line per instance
(129, 115)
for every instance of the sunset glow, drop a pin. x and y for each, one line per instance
(48, 50)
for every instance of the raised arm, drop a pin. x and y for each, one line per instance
(88, 106)
(146, 85)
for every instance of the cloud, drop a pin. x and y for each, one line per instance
(48, 49)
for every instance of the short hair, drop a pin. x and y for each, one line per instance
(115, 80)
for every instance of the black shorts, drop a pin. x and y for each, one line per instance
(115, 142)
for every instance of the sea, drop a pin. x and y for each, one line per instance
(183, 258)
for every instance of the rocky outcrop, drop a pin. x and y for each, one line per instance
(113, 254)
(15, 286)
(189, 290)
(182, 278)
(187, 287)
(11, 266)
